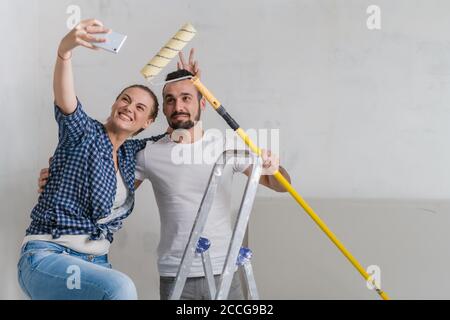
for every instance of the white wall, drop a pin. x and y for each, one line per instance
(362, 114)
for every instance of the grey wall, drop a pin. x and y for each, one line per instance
(362, 117)
(407, 240)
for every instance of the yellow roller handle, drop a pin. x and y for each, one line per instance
(282, 180)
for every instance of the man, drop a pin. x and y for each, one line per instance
(179, 181)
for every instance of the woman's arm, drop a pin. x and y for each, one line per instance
(63, 84)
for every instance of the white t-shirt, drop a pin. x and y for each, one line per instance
(179, 188)
(122, 201)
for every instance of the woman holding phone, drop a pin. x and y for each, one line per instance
(90, 190)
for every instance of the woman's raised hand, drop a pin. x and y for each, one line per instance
(84, 34)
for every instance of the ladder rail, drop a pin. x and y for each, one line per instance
(207, 268)
(239, 229)
(251, 282)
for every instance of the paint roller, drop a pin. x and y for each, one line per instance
(169, 51)
(162, 59)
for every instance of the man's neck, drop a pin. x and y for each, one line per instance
(187, 136)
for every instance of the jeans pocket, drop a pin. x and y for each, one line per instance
(35, 257)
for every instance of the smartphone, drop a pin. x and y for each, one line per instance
(114, 41)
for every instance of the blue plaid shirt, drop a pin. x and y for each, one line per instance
(82, 183)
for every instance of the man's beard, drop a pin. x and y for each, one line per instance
(186, 125)
(183, 125)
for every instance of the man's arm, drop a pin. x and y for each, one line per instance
(272, 183)
(137, 184)
(192, 66)
(271, 163)
(43, 179)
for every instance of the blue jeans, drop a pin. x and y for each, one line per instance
(49, 271)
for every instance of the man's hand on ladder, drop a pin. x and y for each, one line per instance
(271, 164)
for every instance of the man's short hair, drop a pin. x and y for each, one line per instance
(173, 76)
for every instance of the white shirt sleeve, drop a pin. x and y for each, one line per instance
(140, 173)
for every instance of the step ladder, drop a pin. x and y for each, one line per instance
(237, 256)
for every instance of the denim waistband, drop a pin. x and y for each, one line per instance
(45, 245)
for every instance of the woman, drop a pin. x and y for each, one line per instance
(90, 190)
